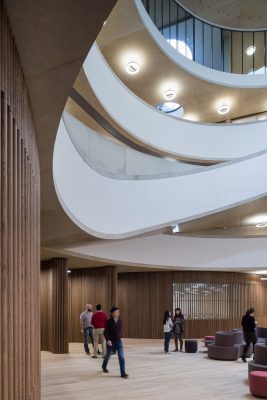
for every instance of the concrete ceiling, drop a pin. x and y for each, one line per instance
(243, 14)
(52, 53)
(124, 37)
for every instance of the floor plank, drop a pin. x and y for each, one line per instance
(153, 375)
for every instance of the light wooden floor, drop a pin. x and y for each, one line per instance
(153, 375)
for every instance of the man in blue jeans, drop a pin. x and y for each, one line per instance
(114, 343)
(86, 327)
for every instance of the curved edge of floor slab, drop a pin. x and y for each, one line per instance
(114, 209)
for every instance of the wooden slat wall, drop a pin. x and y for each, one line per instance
(54, 305)
(20, 231)
(143, 297)
(93, 285)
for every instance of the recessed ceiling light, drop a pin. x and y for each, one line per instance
(223, 109)
(250, 50)
(169, 94)
(132, 68)
(175, 228)
(262, 118)
(261, 225)
(69, 271)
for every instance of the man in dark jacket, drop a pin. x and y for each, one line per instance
(114, 343)
(249, 328)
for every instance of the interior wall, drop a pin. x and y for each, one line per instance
(20, 230)
(143, 298)
(94, 285)
(54, 305)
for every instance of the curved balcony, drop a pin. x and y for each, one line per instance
(116, 161)
(238, 254)
(118, 208)
(167, 135)
(227, 50)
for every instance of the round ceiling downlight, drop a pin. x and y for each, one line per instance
(169, 94)
(132, 68)
(262, 118)
(250, 50)
(223, 109)
(261, 225)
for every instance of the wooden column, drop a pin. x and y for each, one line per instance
(19, 230)
(112, 284)
(54, 305)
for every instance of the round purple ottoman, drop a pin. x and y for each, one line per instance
(258, 383)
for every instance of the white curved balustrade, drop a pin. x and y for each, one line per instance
(118, 161)
(112, 208)
(180, 252)
(165, 134)
(193, 68)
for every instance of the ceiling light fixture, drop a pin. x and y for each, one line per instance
(175, 228)
(250, 50)
(69, 271)
(132, 68)
(261, 225)
(223, 109)
(262, 118)
(169, 94)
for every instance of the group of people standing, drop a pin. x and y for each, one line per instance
(173, 326)
(107, 331)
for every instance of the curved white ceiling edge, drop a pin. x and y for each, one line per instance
(193, 68)
(115, 209)
(179, 252)
(175, 137)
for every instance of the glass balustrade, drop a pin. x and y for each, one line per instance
(240, 52)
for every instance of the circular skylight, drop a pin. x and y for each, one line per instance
(250, 50)
(171, 108)
(181, 47)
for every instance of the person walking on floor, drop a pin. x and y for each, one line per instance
(98, 322)
(114, 343)
(167, 328)
(86, 327)
(178, 328)
(249, 328)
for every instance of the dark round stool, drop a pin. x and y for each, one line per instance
(191, 346)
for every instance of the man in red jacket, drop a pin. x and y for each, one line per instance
(98, 322)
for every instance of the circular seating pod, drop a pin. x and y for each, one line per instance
(239, 337)
(253, 366)
(191, 346)
(208, 340)
(225, 339)
(258, 383)
(260, 354)
(227, 353)
(261, 334)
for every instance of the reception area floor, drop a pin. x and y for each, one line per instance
(152, 375)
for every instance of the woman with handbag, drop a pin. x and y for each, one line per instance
(178, 328)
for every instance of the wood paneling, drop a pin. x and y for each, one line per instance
(54, 305)
(20, 231)
(92, 285)
(143, 297)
